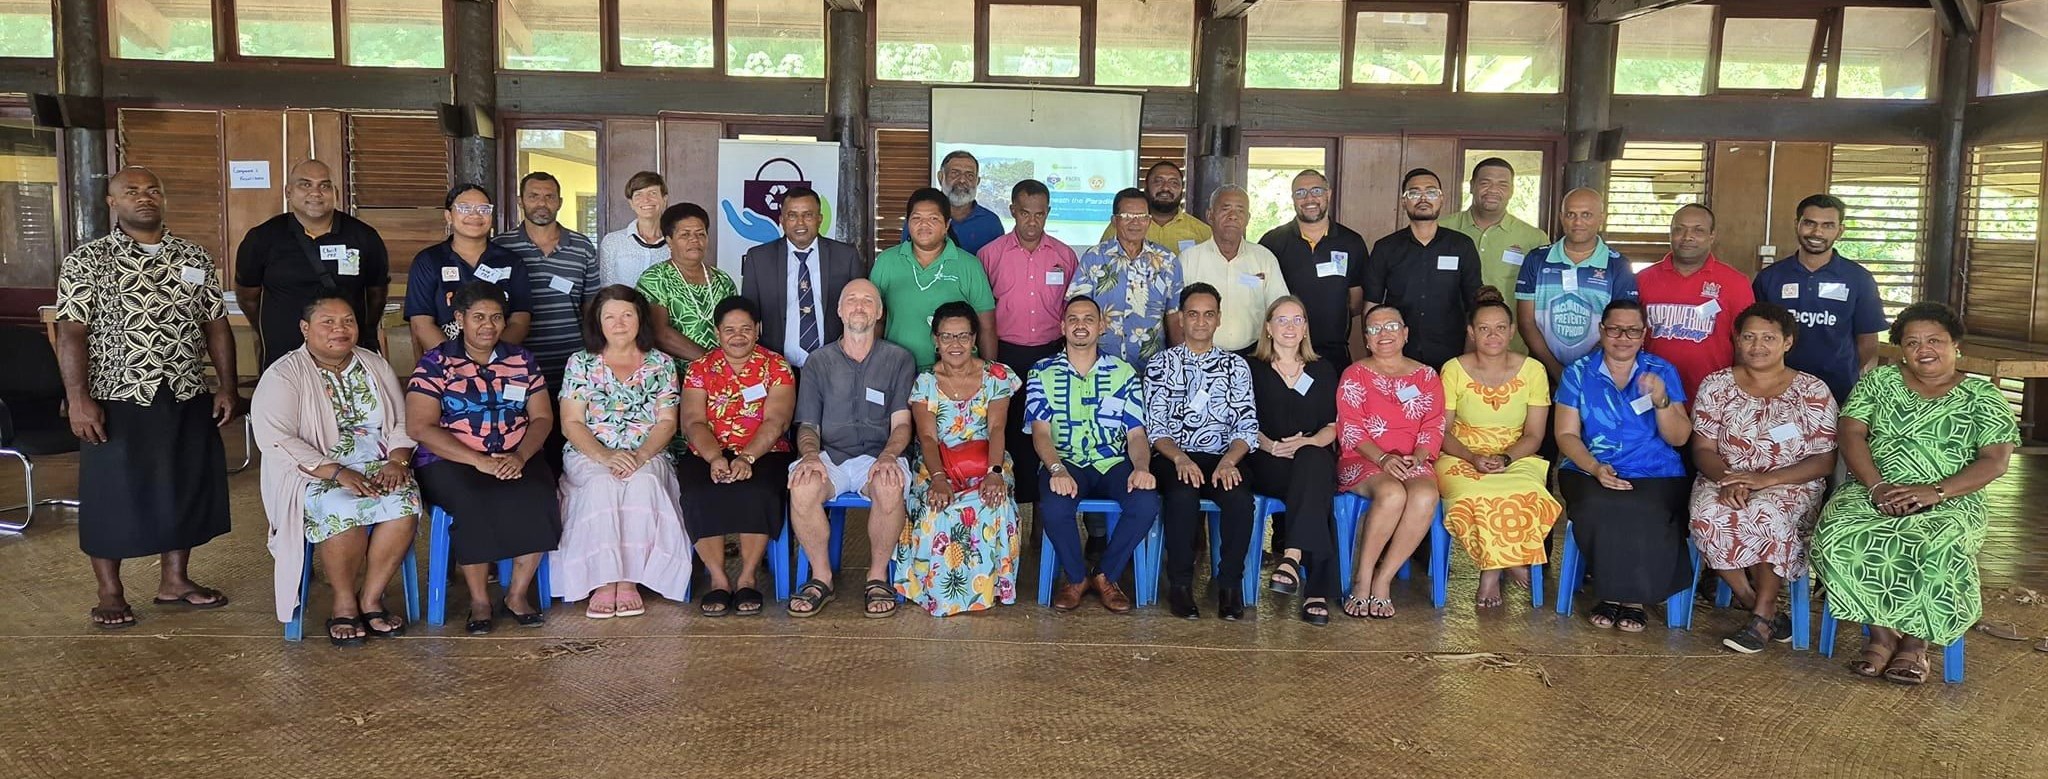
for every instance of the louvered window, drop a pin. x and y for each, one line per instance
(1886, 228)
(399, 173)
(2001, 235)
(183, 149)
(1645, 187)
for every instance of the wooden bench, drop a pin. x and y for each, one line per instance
(2001, 359)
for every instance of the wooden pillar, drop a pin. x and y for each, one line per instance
(1218, 153)
(476, 87)
(80, 73)
(846, 105)
(1589, 92)
(1958, 76)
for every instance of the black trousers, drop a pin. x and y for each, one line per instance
(1018, 440)
(1180, 509)
(1307, 483)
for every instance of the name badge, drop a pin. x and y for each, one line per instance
(333, 252)
(1407, 392)
(351, 262)
(451, 273)
(1302, 384)
(1199, 402)
(1056, 278)
(1641, 404)
(515, 394)
(1447, 262)
(561, 285)
(1250, 280)
(192, 275)
(1710, 308)
(1340, 257)
(1570, 277)
(1834, 290)
(1331, 268)
(493, 275)
(1789, 291)
(1784, 432)
(1186, 245)
(1512, 257)
(875, 396)
(1112, 408)
(753, 392)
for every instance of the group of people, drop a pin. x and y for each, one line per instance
(1172, 363)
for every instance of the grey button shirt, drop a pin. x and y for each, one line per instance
(849, 402)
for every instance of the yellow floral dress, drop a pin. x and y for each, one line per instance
(962, 557)
(1500, 518)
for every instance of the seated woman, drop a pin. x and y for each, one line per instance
(481, 410)
(1897, 545)
(959, 551)
(1496, 504)
(330, 415)
(737, 403)
(1764, 441)
(620, 528)
(1295, 392)
(1390, 419)
(683, 290)
(1620, 413)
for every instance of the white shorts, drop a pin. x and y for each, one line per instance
(852, 476)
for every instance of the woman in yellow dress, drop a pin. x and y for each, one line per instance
(1490, 476)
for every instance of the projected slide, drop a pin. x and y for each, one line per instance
(1082, 144)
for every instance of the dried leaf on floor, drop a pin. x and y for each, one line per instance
(2022, 596)
(1490, 661)
(2004, 630)
(569, 647)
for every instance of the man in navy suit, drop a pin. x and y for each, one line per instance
(796, 280)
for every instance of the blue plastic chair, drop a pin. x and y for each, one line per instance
(409, 576)
(1146, 561)
(1350, 510)
(1802, 608)
(835, 513)
(1951, 655)
(1677, 608)
(437, 571)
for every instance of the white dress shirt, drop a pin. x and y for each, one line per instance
(792, 317)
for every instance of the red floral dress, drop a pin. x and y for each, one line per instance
(1761, 434)
(736, 401)
(1400, 414)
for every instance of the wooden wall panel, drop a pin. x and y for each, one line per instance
(398, 161)
(1800, 170)
(405, 231)
(1439, 155)
(1738, 184)
(689, 151)
(628, 147)
(254, 136)
(184, 149)
(1366, 186)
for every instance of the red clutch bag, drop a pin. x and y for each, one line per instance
(966, 463)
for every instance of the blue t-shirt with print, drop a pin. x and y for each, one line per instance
(1569, 297)
(1833, 305)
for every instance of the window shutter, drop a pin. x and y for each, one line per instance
(1645, 187)
(2001, 234)
(1886, 229)
(184, 150)
(903, 164)
(400, 169)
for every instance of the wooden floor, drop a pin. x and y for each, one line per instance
(1022, 691)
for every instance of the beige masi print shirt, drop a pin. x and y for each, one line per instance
(142, 314)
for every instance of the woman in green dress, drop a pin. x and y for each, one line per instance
(1897, 545)
(684, 290)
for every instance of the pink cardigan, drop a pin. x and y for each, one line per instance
(294, 424)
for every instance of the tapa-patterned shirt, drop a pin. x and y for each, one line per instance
(1201, 401)
(142, 313)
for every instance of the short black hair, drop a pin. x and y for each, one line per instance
(1415, 172)
(799, 193)
(1769, 312)
(593, 318)
(675, 214)
(959, 154)
(475, 292)
(1623, 304)
(1154, 168)
(1378, 307)
(1823, 200)
(1129, 193)
(323, 298)
(1928, 311)
(1199, 288)
(538, 175)
(462, 189)
(1080, 299)
(1492, 162)
(930, 195)
(735, 303)
(957, 309)
(1029, 187)
(1711, 219)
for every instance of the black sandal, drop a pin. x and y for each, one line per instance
(813, 593)
(878, 591)
(747, 602)
(1291, 569)
(534, 620)
(1632, 615)
(373, 616)
(354, 622)
(1313, 618)
(1607, 610)
(480, 627)
(716, 603)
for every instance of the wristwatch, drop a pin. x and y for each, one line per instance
(1056, 469)
(995, 470)
(1939, 493)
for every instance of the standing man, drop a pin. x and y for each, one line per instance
(1170, 227)
(1690, 300)
(135, 311)
(1503, 239)
(918, 275)
(561, 275)
(1430, 273)
(1087, 420)
(1565, 286)
(1199, 412)
(970, 225)
(1834, 299)
(1324, 265)
(853, 426)
(307, 252)
(790, 276)
(1135, 282)
(1029, 272)
(1246, 275)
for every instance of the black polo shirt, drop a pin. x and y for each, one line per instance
(1433, 284)
(293, 268)
(1322, 276)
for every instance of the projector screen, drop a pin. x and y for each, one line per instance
(1082, 144)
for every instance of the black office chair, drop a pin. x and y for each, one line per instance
(32, 422)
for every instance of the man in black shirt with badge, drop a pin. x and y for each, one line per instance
(1429, 272)
(295, 257)
(1324, 265)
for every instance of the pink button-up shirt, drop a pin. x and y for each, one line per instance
(1030, 287)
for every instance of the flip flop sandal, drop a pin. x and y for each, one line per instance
(1363, 610)
(1377, 602)
(747, 602)
(1289, 568)
(96, 615)
(813, 593)
(716, 603)
(215, 600)
(1632, 620)
(373, 616)
(623, 610)
(355, 640)
(1609, 611)
(878, 591)
(1911, 672)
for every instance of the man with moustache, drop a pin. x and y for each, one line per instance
(1029, 272)
(1564, 287)
(1170, 227)
(1324, 264)
(303, 254)
(1690, 300)
(1428, 272)
(1835, 300)
(790, 276)
(971, 225)
(1245, 274)
(561, 272)
(1503, 238)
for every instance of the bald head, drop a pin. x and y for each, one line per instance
(136, 196)
(1585, 213)
(860, 307)
(309, 191)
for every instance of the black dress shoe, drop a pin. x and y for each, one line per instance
(1230, 603)
(1181, 602)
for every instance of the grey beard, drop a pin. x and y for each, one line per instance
(959, 197)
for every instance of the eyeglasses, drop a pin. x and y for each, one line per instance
(1133, 217)
(1311, 192)
(474, 209)
(1624, 333)
(1417, 194)
(955, 337)
(1384, 327)
(1294, 321)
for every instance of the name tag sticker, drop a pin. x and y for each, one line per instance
(1641, 404)
(561, 285)
(451, 273)
(1447, 262)
(1331, 268)
(1186, 245)
(192, 275)
(1789, 291)
(1199, 401)
(1834, 290)
(1407, 392)
(1110, 407)
(875, 396)
(1784, 432)
(1250, 280)
(493, 275)
(1302, 384)
(1710, 308)
(1056, 278)
(515, 394)
(1512, 257)
(753, 392)
(1570, 277)
(333, 252)
(351, 262)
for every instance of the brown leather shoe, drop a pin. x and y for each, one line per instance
(1067, 597)
(1113, 597)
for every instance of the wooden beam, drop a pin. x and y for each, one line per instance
(2006, 119)
(649, 93)
(854, 6)
(1218, 151)
(1957, 16)
(1231, 9)
(1613, 11)
(1318, 113)
(262, 85)
(846, 105)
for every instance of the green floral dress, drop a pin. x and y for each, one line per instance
(689, 305)
(331, 508)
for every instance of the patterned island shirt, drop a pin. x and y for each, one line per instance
(142, 309)
(1135, 293)
(1090, 413)
(1201, 401)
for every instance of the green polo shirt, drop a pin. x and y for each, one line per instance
(911, 292)
(1495, 244)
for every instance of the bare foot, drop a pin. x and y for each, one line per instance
(1489, 590)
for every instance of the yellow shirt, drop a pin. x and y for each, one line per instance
(1180, 233)
(1501, 248)
(1247, 286)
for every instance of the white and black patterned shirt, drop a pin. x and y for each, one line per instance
(1201, 401)
(142, 309)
